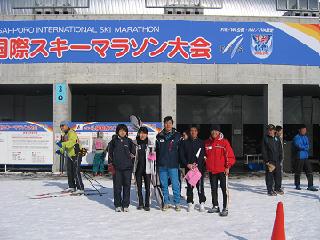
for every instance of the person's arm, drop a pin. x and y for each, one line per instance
(230, 158)
(110, 151)
(298, 143)
(157, 150)
(264, 151)
(307, 146)
(280, 150)
(182, 157)
(132, 149)
(201, 160)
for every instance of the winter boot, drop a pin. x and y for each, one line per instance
(279, 191)
(165, 207)
(272, 193)
(202, 209)
(78, 192)
(190, 207)
(147, 209)
(214, 209)
(224, 212)
(126, 209)
(118, 209)
(177, 208)
(312, 188)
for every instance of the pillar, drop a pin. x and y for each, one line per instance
(61, 112)
(237, 125)
(273, 103)
(169, 101)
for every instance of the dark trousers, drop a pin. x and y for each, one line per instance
(122, 185)
(200, 188)
(73, 172)
(146, 178)
(214, 179)
(274, 178)
(303, 165)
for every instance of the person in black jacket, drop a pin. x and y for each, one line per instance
(192, 156)
(167, 150)
(121, 157)
(143, 168)
(272, 156)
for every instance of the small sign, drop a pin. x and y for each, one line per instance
(61, 93)
(237, 132)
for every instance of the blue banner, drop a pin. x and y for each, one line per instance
(176, 41)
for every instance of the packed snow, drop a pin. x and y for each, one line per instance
(251, 213)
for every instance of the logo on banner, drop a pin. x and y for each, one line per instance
(261, 45)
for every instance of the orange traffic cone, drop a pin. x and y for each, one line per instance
(278, 228)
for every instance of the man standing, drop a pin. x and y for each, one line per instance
(167, 150)
(192, 156)
(219, 159)
(301, 145)
(68, 146)
(272, 156)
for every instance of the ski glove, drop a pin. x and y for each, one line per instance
(58, 152)
(59, 144)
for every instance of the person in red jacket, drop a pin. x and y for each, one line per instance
(219, 159)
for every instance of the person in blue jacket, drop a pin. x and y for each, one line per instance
(167, 150)
(301, 145)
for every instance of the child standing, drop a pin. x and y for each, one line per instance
(219, 159)
(121, 157)
(99, 150)
(143, 168)
(192, 156)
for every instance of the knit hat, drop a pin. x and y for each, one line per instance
(64, 123)
(215, 127)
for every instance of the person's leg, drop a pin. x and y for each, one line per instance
(277, 177)
(223, 185)
(180, 181)
(77, 173)
(147, 180)
(269, 181)
(189, 193)
(200, 188)
(139, 189)
(174, 176)
(101, 163)
(95, 164)
(126, 182)
(117, 188)
(297, 174)
(70, 173)
(163, 174)
(308, 171)
(214, 189)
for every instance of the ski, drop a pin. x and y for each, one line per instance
(60, 192)
(65, 194)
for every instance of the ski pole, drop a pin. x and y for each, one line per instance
(99, 184)
(92, 184)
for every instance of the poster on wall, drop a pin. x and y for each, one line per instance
(87, 132)
(155, 41)
(26, 143)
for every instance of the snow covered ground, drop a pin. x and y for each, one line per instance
(251, 213)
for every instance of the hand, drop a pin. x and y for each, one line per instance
(190, 166)
(58, 152)
(59, 144)
(226, 171)
(111, 169)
